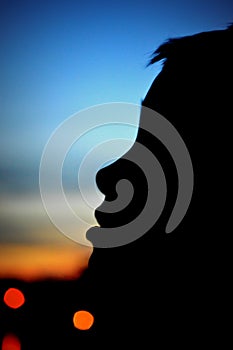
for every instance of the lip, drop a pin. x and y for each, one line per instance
(93, 235)
(104, 220)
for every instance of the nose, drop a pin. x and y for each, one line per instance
(105, 180)
(134, 196)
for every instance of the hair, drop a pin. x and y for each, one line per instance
(173, 47)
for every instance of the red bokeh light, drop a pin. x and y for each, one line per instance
(83, 320)
(11, 342)
(14, 298)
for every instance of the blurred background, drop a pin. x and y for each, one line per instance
(57, 58)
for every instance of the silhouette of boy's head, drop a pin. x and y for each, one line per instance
(192, 92)
(173, 276)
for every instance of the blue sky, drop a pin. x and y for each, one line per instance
(58, 57)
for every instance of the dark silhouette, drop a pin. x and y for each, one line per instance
(170, 288)
(163, 289)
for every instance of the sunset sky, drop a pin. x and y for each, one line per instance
(57, 58)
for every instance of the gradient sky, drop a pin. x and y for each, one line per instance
(58, 57)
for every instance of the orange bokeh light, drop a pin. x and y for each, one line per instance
(14, 298)
(11, 342)
(83, 320)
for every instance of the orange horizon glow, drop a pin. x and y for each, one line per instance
(38, 262)
(11, 342)
(83, 320)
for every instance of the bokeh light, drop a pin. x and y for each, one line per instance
(83, 320)
(14, 298)
(11, 342)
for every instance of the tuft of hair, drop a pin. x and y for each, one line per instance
(163, 51)
(171, 46)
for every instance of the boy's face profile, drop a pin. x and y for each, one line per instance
(103, 133)
(135, 186)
